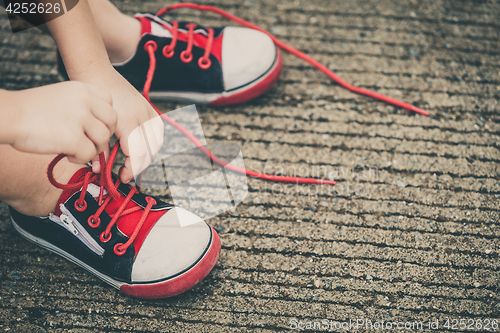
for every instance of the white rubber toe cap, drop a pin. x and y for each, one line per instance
(176, 241)
(246, 55)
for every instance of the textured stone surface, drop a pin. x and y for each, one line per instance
(410, 233)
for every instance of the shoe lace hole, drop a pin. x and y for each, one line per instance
(204, 63)
(119, 250)
(150, 43)
(167, 53)
(93, 223)
(80, 206)
(185, 57)
(149, 199)
(105, 238)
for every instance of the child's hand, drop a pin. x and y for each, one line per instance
(72, 118)
(133, 111)
(86, 60)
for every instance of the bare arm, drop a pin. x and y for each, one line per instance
(79, 42)
(8, 119)
(86, 60)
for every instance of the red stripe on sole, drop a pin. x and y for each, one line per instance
(255, 91)
(181, 283)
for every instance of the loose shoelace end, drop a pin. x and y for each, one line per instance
(420, 111)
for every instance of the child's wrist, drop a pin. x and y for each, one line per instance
(97, 68)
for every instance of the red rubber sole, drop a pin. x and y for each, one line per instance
(181, 283)
(254, 91)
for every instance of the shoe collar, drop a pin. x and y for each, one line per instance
(157, 26)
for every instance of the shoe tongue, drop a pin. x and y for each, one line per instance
(77, 177)
(126, 224)
(150, 26)
(145, 24)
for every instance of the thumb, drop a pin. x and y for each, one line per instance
(126, 173)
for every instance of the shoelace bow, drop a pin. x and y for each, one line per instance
(106, 183)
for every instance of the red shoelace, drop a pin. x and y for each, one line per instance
(105, 179)
(151, 47)
(106, 183)
(295, 52)
(186, 55)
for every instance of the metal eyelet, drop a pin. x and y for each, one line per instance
(92, 223)
(82, 207)
(203, 64)
(187, 58)
(105, 238)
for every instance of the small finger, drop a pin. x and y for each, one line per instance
(98, 133)
(154, 132)
(139, 150)
(105, 113)
(75, 160)
(96, 165)
(85, 152)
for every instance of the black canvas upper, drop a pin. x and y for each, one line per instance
(171, 74)
(110, 264)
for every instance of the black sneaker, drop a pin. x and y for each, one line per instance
(218, 66)
(138, 244)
